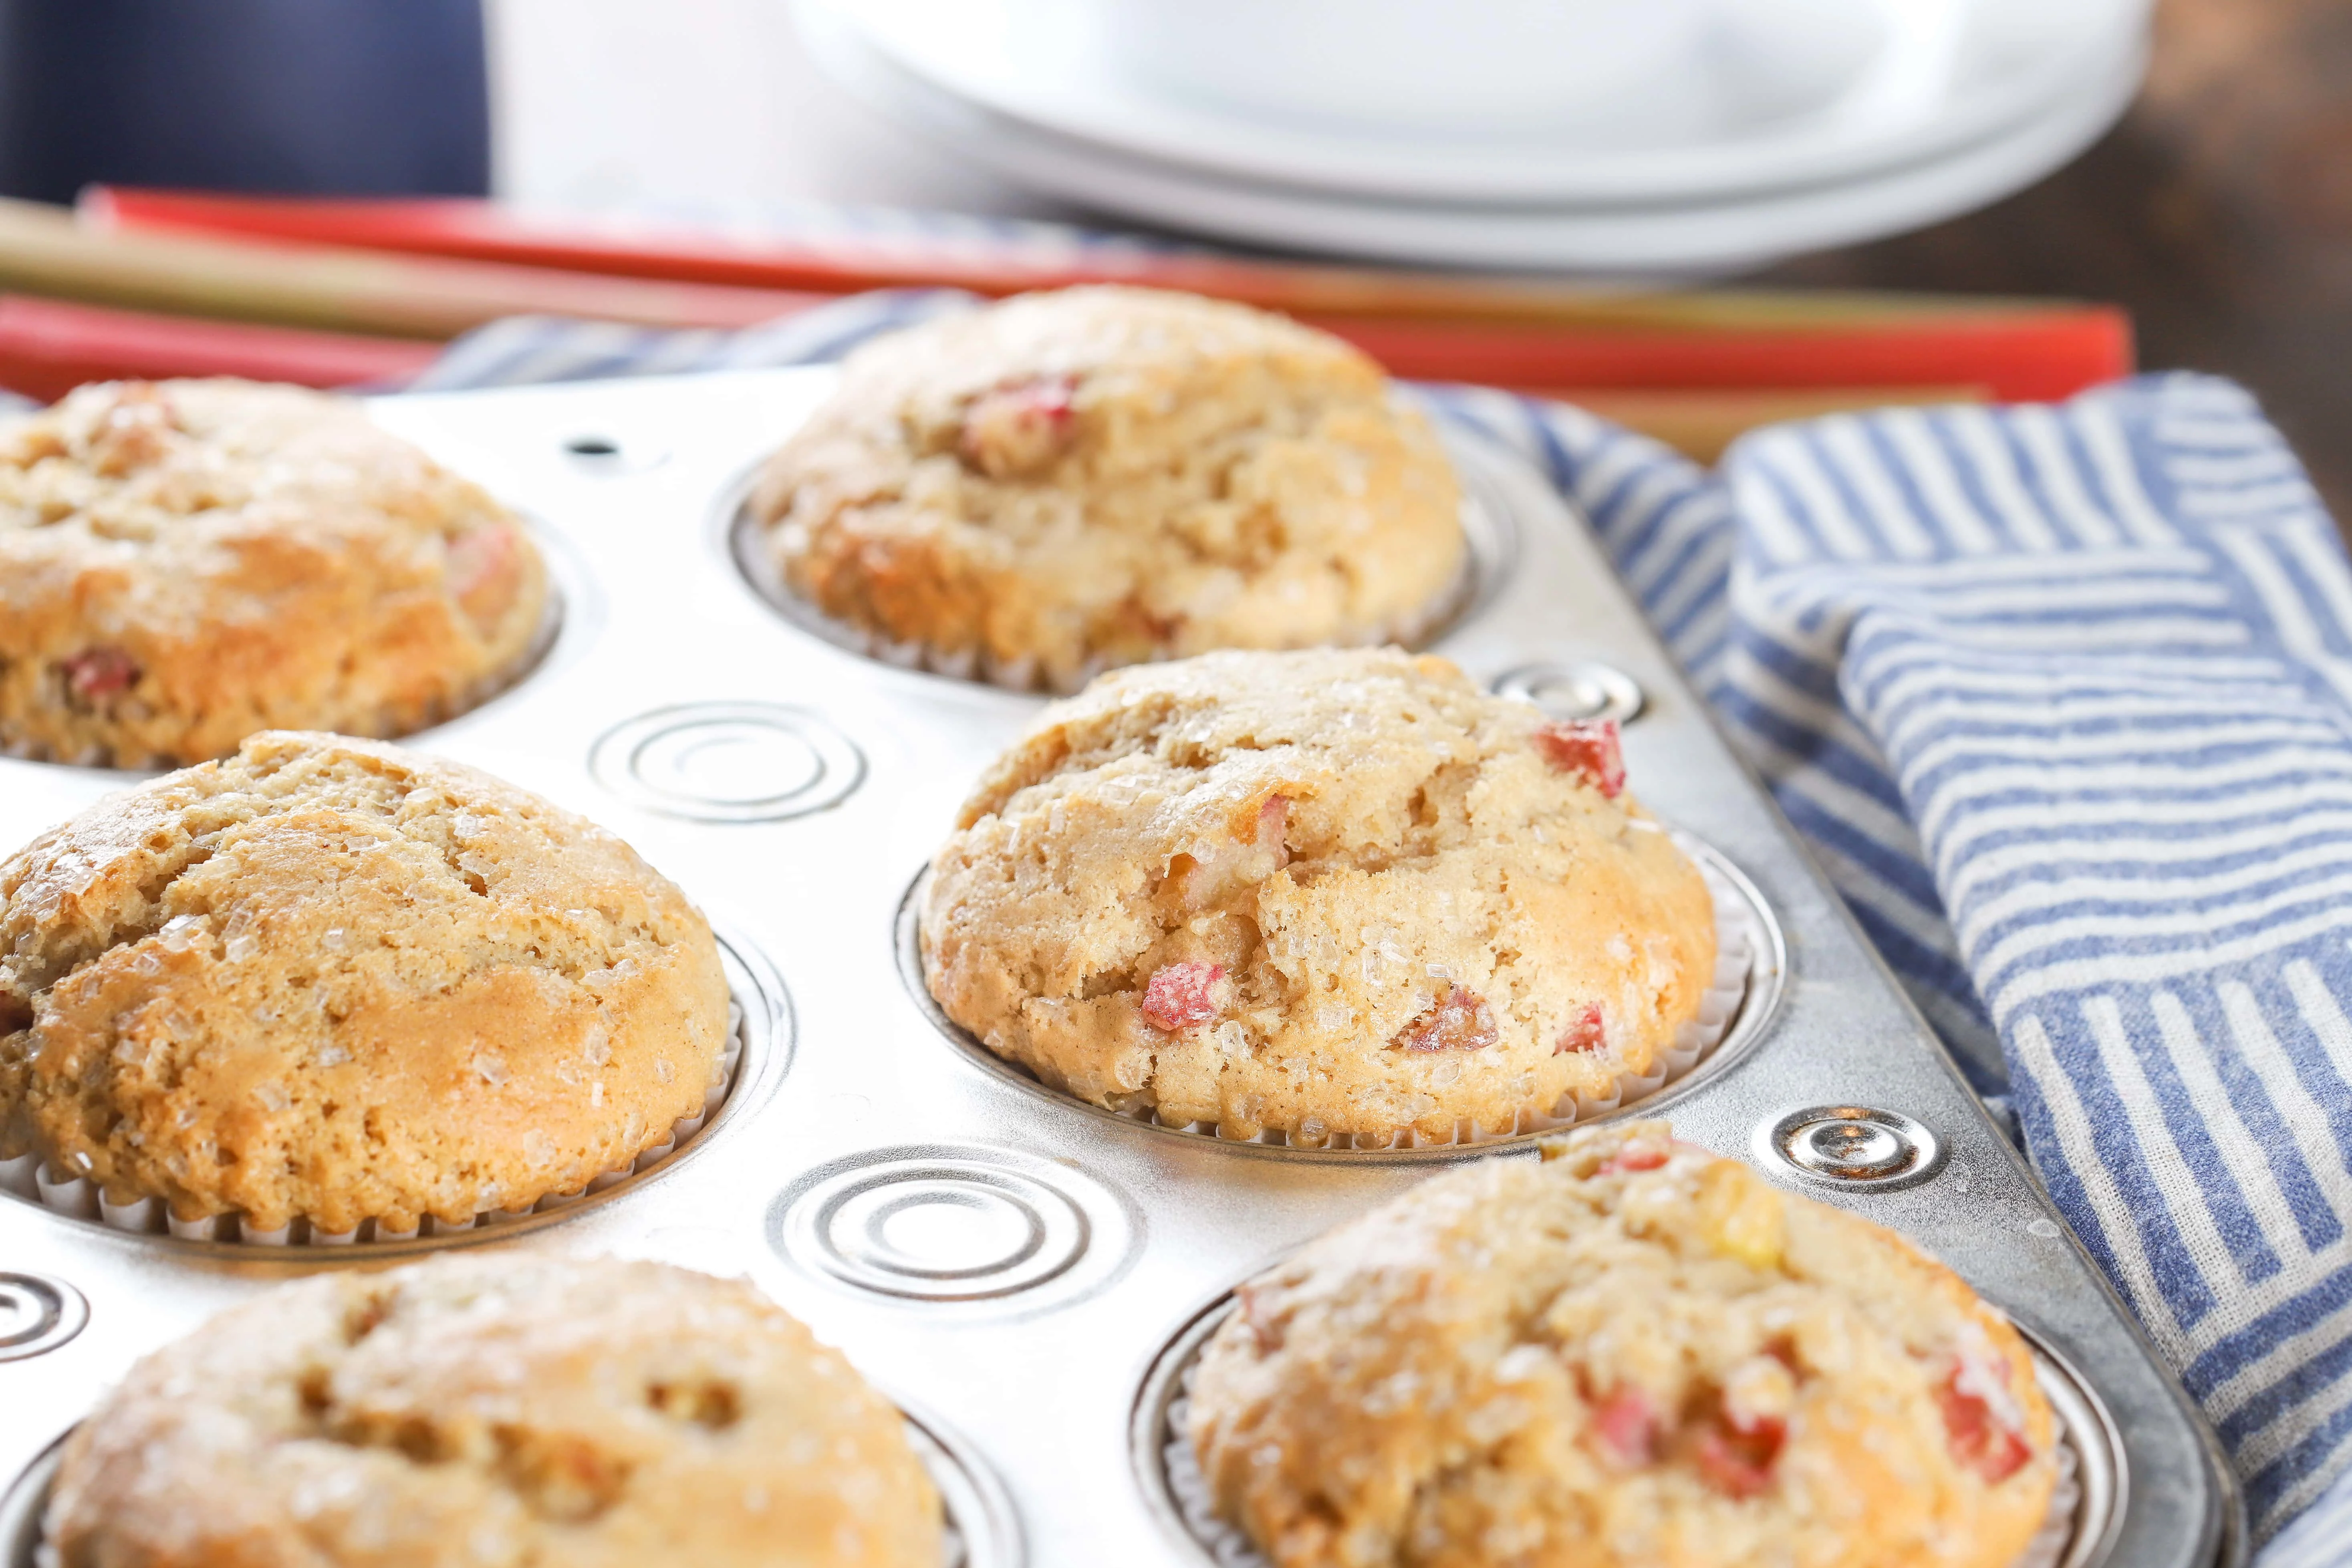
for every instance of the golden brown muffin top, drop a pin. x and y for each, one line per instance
(333, 978)
(184, 563)
(493, 1411)
(1633, 1353)
(1106, 475)
(1326, 891)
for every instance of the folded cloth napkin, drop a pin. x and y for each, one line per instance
(2060, 697)
(2062, 700)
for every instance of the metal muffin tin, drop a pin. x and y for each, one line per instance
(1014, 1264)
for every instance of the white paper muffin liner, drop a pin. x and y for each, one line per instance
(1232, 1549)
(1024, 674)
(1739, 942)
(72, 1194)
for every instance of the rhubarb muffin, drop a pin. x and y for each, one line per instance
(509, 1410)
(183, 563)
(1330, 893)
(332, 980)
(1632, 1354)
(1104, 475)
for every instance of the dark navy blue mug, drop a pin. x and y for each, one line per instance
(293, 97)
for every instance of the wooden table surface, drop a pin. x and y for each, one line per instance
(2219, 212)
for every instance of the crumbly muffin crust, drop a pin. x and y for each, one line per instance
(331, 978)
(497, 1411)
(1101, 476)
(185, 562)
(1633, 1352)
(1324, 891)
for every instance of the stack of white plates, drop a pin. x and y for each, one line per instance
(1773, 127)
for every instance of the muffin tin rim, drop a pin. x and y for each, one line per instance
(1490, 529)
(2102, 1467)
(771, 1036)
(1759, 1007)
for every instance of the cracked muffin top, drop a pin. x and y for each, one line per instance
(1630, 1353)
(185, 562)
(1332, 893)
(332, 979)
(497, 1412)
(1102, 476)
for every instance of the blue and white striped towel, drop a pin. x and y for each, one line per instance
(2062, 699)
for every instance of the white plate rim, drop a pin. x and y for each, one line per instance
(1696, 239)
(931, 40)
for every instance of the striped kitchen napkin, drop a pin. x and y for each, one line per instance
(2061, 696)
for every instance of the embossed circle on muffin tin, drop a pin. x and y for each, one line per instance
(2081, 1533)
(982, 1530)
(729, 762)
(574, 611)
(1488, 528)
(955, 1225)
(38, 1314)
(761, 1013)
(1751, 998)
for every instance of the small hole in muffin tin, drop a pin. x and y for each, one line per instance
(573, 612)
(1759, 996)
(982, 1530)
(764, 1030)
(1489, 525)
(595, 453)
(1169, 1482)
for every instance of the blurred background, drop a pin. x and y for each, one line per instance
(2187, 161)
(2218, 210)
